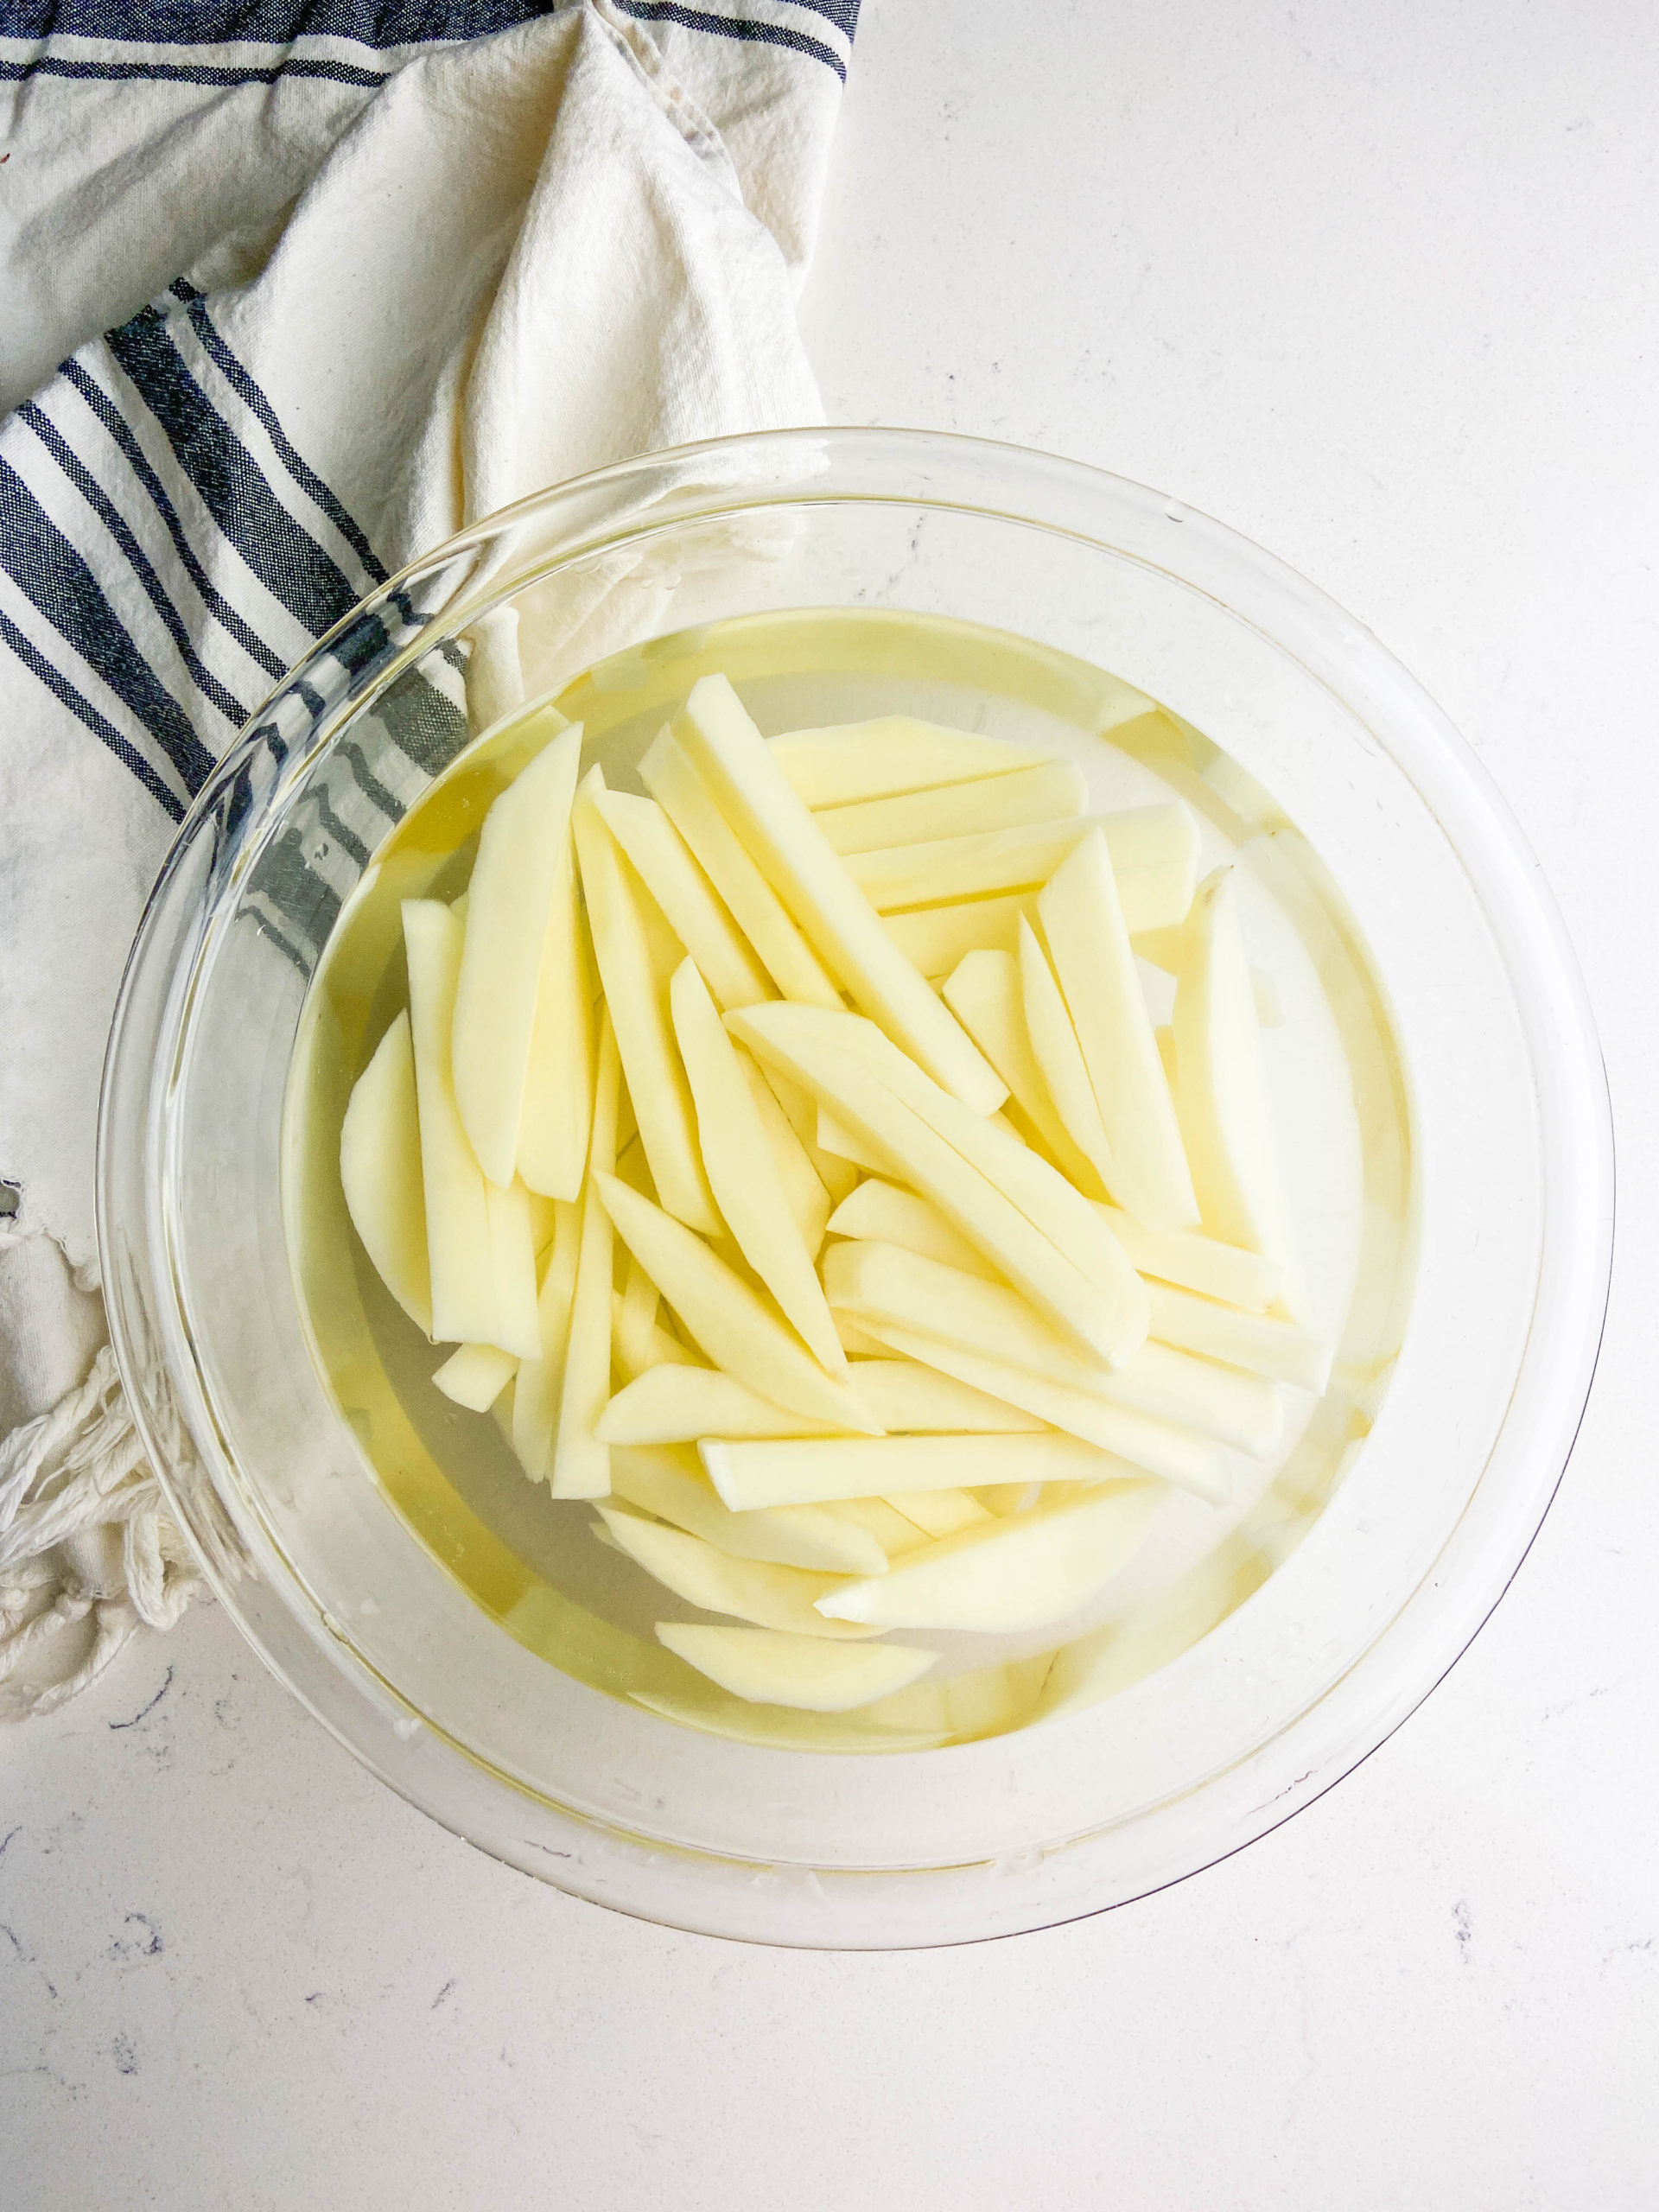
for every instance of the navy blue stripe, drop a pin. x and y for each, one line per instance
(266, 23)
(183, 72)
(60, 687)
(43, 562)
(369, 784)
(249, 394)
(112, 519)
(216, 604)
(283, 555)
(843, 14)
(342, 833)
(740, 27)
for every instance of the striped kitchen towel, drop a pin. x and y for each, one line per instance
(294, 289)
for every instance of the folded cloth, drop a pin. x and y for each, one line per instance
(323, 281)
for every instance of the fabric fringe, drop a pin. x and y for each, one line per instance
(83, 1532)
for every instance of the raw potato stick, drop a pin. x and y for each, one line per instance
(909, 1149)
(737, 1157)
(882, 1212)
(1226, 1109)
(907, 1398)
(659, 1349)
(748, 1589)
(512, 1263)
(812, 1470)
(750, 789)
(807, 1673)
(634, 1321)
(555, 1118)
(849, 762)
(674, 782)
(1060, 1063)
(940, 1513)
(1093, 964)
(989, 1145)
(635, 997)
(582, 1464)
(807, 1200)
(1195, 1261)
(457, 1209)
(672, 1485)
(937, 939)
(1009, 1575)
(1192, 1462)
(838, 1176)
(380, 1172)
(894, 1533)
(510, 899)
(475, 1376)
(1282, 1351)
(663, 861)
(678, 1405)
(1048, 792)
(881, 1284)
(985, 994)
(1157, 844)
(728, 1320)
(535, 1418)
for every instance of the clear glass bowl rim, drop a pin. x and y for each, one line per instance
(638, 497)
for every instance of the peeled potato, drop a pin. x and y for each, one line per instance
(807, 1672)
(1009, 1576)
(380, 1172)
(749, 1589)
(752, 790)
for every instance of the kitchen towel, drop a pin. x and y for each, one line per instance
(294, 289)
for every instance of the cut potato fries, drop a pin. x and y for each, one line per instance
(803, 1189)
(1281, 1350)
(475, 1376)
(1085, 1284)
(790, 1166)
(809, 1471)
(1022, 1573)
(1198, 1262)
(747, 1589)
(518, 894)
(380, 1172)
(1089, 944)
(582, 1464)
(937, 939)
(673, 781)
(985, 994)
(690, 905)
(752, 790)
(807, 1672)
(728, 1321)
(1048, 793)
(466, 1305)
(1226, 1110)
(672, 1485)
(891, 754)
(891, 1216)
(1063, 1071)
(742, 1171)
(637, 998)
(1179, 1455)
(677, 1405)
(1154, 849)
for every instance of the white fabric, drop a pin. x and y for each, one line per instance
(364, 295)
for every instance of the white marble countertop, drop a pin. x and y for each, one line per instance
(1372, 283)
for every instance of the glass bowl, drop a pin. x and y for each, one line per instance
(1476, 1213)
